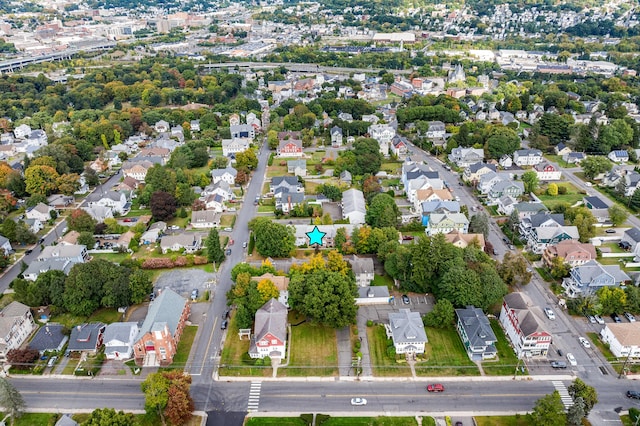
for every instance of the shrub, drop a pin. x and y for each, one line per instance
(358, 344)
(157, 263)
(369, 323)
(355, 331)
(307, 419)
(562, 190)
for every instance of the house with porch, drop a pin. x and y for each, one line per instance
(464, 157)
(474, 172)
(589, 277)
(623, 340)
(407, 332)
(476, 334)
(189, 242)
(119, 338)
(270, 331)
(443, 223)
(527, 157)
(158, 338)
(524, 327)
(574, 253)
(226, 175)
(16, 326)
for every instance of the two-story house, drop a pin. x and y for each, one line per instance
(188, 242)
(547, 172)
(290, 148)
(527, 157)
(476, 334)
(242, 131)
(116, 201)
(280, 184)
(523, 326)
(270, 331)
(297, 167)
(336, 137)
(443, 223)
(287, 201)
(235, 145)
(407, 332)
(16, 325)
(436, 130)
(136, 169)
(227, 175)
(205, 219)
(160, 333)
(40, 211)
(119, 338)
(512, 188)
(589, 277)
(362, 268)
(74, 252)
(354, 206)
(475, 171)
(572, 252)
(5, 245)
(464, 157)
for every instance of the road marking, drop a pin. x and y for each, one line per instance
(564, 394)
(254, 396)
(412, 395)
(213, 329)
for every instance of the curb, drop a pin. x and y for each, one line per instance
(396, 379)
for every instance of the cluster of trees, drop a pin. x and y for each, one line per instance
(496, 139)
(167, 394)
(431, 108)
(89, 286)
(249, 295)
(549, 410)
(364, 158)
(272, 239)
(607, 301)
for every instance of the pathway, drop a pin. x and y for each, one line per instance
(364, 345)
(344, 351)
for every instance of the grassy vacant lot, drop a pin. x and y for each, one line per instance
(507, 360)
(277, 170)
(227, 220)
(184, 347)
(445, 355)
(235, 360)
(571, 197)
(516, 420)
(382, 364)
(391, 167)
(104, 315)
(376, 421)
(314, 351)
(111, 257)
(275, 421)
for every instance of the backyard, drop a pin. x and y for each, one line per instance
(571, 197)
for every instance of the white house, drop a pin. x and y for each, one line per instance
(270, 331)
(40, 211)
(436, 130)
(205, 219)
(527, 157)
(407, 331)
(5, 245)
(119, 338)
(22, 131)
(234, 146)
(623, 339)
(74, 252)
(228, 175)
(618, 156)
(547, 172)
(16, 325)
(354, 206)
(362, 268)
(523, 325)
(116, 201)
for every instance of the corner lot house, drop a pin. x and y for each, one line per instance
(270, 331)
(16, 325)
(119, 338)
(407, 331)
(160, 333)
(623, 339)
(476, 333)
(523, 326)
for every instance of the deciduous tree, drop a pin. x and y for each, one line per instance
(163, 205)
(593, 165)
(382, 212)
(81, 221)
(40, 179)
(617, 215)
(442, 315)
(579, 389)
(548, 411)
(110, 417)
(272, 239)
(530, 180)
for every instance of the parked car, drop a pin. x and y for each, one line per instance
(560, 353)
(591, 319)
(572, 359)
(52, 361)
(29, 251)
(599, 319)
(584, 342)
(228, 229)
(633, 394)
(228, 252)
(225, 314)
(244, 245)
(405, 299)
(615, 318)
(558, 364)
(549, 313)
(436, 387)
(358, 401)
(224, 324)
(610, 231)
(629, 316)
(194, 294)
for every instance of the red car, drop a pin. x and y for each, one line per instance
(436, 387)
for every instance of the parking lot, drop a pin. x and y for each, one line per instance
(380, 313)
(184, 281)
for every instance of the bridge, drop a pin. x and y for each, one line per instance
(12, 65)
(297, 67)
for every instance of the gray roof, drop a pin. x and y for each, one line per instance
(527, 319)
(439, 206)
(166, 308)
(119, 331)
(297, 163)
(3, 240)
(538, 219)
(282, 180)
(49, 337)
(346, 176)
(407, 327)
(66, 420)
(353, 201)
(596, 202)
(85, 337)
(593, 269)
(373, 291)
(633, 234)
(271, 318)
(51, 264)
(528, 152)
(291, 197)
(220, 172)
(477, 328)
(480, 165)
(530, 207)
(546, 233)
(62, 251)
(361, 265)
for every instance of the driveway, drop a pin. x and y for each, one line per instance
(183, 281)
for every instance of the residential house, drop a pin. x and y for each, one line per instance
(301, 238)
(362, 268)
(336, 137)
(194, 126)
(443, 223)
(161, 126)
(151, 236)
(49, 338)
(631, 241)
(188, 242)
(574, 157)
(281, 184)
(505, 161)
(346, 177)
(430, 194)
(74, 252)
(562, 149)
(589, 277)
(512, 188)
(598, 207)
(5, 245)
(354, 206)
(399, 145)
(227, 175)
(37, 267)
(427, 208)
(233, 146)
(281, 283)
(297, 167)
(407, 331)
(573, 253)
(99, 213)
(220, 188)
(160, 333)
(476, 334)
(373, 295)
(464, 157)
(116, 201)
(119, 338)
(59, 201)
(544, 229)
(287, 201)
(383, 133)
(474, 172)
(462, 240)
(623, 340)
(136, 169)
(436, 130)
(214, 202)
(618, 156)
(270, 331)
(523, 325)
(16, 325)
(22, 131)
(547, 172)
(40, 211)
(205, 219)
(527, 157)
(290, 148)
(506, 206)
(66, 420)
(242, 131)
(87, 338)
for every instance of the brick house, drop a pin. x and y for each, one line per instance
(160, 333)
(290, 148)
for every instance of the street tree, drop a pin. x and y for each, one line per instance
(442, 315)
(163, 205)
(11, 400)
(576, 412)
(593, 165)
(617, 215)
(180, 405)
(22, 359)
(479, 224)
(382, 212)
(514, 220)
(214, 249)
(156, 394)
(559, 268)
(582, 218)
(530, 180)
(548, 411)
(611, 300)
(513, 269)
(81, 221)
(579, 389)
(272, 239)
(110, 417)
(247, 159)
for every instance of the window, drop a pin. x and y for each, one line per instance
(274, 342)
(163, 353)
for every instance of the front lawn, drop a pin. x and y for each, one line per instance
(111, 257)
(275, 421)
(516, 420)
(227, 220)
(235, 360)
(381, 363)
(572, 196)
(375, 421)
(314, 350)
(507, 360)
(184, 347)
(595, 339)
(445, 355)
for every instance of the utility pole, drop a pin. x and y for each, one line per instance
(624, 366)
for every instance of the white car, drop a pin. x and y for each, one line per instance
(599, 320)
(588, 184)
(584, 342)
(549, 313)
(358, 401)
(572, 359)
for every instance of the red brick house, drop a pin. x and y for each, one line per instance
(161, 330)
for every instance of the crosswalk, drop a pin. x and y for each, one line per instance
(564, 394)
(254, 397)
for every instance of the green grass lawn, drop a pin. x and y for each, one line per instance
(381, 363)
(227, 220)
(558, 160)
(571, 197)
(34, 419)
(104, 315)
(445, 355)
(184, 347)
(235, 360)
(516, 420)
(111, 257)
(275, 421)
(375, 421)
(506, 363)
(266, 209)
(545, 275)
(276, 169)
(391, 167)
(382, 280)
(314, 350)
(614, 247)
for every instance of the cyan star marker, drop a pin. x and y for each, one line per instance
(316, 236)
